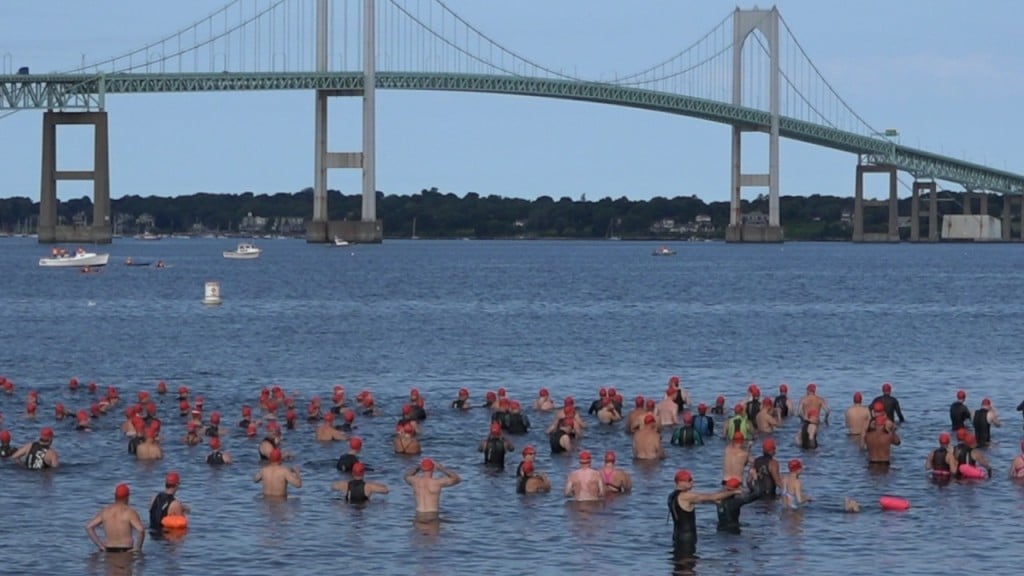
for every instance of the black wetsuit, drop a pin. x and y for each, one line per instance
(521, 482)
(718, 410)
(494, 452)
(684, 526)
(729, 511)
(680, 400)
(158, 510)
(356, 491)
(595, 407)
(212, 431)
(459, 404)
(6, 450)
(964, 455)
(753, 407)
(418, 413)
(959, 415)
(501, 417)
(517, 423)
(939, 465)
(763, 483)
(133, 444)
(215, 458)
(36, 458)
(555, 439)
(687, 436)
(891, 407)
(344, 427)
(346, 462)
(244, 423)
(782, 405)
(982, 428)
(806, 441)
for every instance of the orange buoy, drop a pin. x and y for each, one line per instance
(174, 522)
(894, 503)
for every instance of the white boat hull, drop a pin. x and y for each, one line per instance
(232, 255)
(75, 261)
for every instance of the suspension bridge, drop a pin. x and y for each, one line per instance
(749, 72)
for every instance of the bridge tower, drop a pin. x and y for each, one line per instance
(99, 232)
(368, 229)
(745, 22)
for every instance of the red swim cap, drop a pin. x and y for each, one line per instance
(585, 456)
(857, 398)
(737, 437)
(720, 400)
(173, 479)
(358, 470)
(275, 455)
(529, 449)
(639, 401)
(986, 402)
(944, 438)
(960, 394)
(543, 393)
(602, 392)
(463, 392)
(674, 381)
(426, 465)
(46, 433)
(495, 428)
(733, 483)
(215, 443)
(768, 445)
(886, 388)
(121, 492)
(5, 436)
(684, 476)
(609, 456)
(812, 387)
(648, 418)
(783, 388)
(702, 408)
(355, 443)
(878, 406)
(349, 416)
(738, 409)
(795, 465)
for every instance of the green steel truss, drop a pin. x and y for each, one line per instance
(83, 91)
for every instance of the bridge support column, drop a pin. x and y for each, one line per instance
(915, 211)
(99, 231)
(746, 22)
(368, 229)
(859, 203)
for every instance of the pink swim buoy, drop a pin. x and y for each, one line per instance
(894, 503)
(972, 472)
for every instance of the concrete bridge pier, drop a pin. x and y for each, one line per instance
(859, 203)
(100, 230)
(746, 22)
(933, 211)
(368, 229)
(1007, 216)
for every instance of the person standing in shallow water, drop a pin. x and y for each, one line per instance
(119, 522)
(682, 509)
(426, 489)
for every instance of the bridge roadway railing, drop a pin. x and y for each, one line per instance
(88, 91)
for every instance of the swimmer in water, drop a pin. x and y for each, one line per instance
(119, 522)
(165, 503)
(357, 490)
(584, 484)
(276, 478)
(426, 489)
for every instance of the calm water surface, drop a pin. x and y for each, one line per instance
(570, 316)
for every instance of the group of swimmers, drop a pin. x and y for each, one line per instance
(745, 477)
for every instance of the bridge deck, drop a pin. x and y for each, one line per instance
(87, 91)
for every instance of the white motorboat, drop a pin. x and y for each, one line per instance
(339, 241)
(243, 252)
(663, 251)
(80, 259)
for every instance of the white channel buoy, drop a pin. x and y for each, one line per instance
(212, 294)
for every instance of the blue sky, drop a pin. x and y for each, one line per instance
(947, 75)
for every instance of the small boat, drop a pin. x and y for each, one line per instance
(663, 251)
(243, 252)
(339, 241)
(80, 259)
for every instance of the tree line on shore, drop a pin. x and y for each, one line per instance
(435, 214)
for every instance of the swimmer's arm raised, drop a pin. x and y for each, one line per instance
(450, 479)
